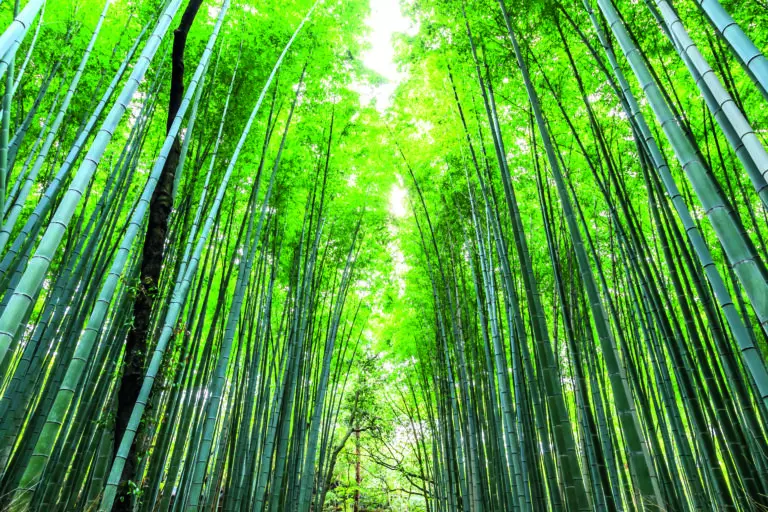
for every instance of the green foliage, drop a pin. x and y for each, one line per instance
(471, 363)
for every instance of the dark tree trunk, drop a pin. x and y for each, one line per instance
(151, 264)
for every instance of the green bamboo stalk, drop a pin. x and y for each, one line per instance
(738, 252)
(31, 281)
(750, 57)
(15, 210)
(728, 114)
(642, 465)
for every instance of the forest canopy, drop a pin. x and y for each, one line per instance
(243, 270)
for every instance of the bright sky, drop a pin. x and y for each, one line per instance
(385, 20)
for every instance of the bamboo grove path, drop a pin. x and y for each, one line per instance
(284, 256)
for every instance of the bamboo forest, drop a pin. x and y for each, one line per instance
(383, 255)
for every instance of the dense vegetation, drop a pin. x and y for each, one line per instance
(535, 281)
